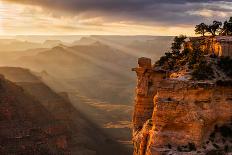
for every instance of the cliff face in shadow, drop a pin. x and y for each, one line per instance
(174, 116)
(79, 136)
(26, 127)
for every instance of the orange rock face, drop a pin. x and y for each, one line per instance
(176, 113)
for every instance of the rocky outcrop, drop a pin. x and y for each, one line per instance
(173, 115)
(145, 92)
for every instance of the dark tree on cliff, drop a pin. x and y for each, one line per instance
(201, 29)
(214, 28)
(178, 42)
(170, 60)
(230, 20)
(227, 27)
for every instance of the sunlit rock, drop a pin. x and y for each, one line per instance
(176, 116)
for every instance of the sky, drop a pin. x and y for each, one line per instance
(109, 17)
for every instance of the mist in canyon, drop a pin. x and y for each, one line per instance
(91, 74)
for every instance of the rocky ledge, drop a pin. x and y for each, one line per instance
(173, 116)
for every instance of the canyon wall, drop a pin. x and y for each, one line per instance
(171, 113)
(26, 127)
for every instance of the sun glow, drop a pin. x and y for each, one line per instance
(2, 15)
(25, 19)
(9, 14)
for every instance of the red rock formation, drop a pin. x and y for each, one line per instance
(145, 92)
(175, 113)
(143, 106)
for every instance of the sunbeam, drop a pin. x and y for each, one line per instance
(102, 64)
(122, 48)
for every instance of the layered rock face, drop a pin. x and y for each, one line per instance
(219, 45)
(172, 113)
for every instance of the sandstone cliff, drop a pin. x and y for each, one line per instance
(174, 116)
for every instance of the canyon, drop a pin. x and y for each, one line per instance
(72, 68)
(37, 120)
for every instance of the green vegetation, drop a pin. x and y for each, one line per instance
(195, 56)
(173, 60)
(193, 59)
(178, 42)
(202, 71)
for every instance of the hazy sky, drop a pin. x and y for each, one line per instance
(123, 17)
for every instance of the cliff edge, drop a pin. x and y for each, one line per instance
(179, 114)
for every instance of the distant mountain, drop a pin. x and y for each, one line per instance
(16, 45)
(86, 65)
(7, 45)
(7, 58)
(84, 41)
(83, 137)
(104, 63)
(52, 43)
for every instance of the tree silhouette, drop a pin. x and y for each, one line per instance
(227, 27)
(178, 42)
(215, 27)
(230, 20)
(201, 29)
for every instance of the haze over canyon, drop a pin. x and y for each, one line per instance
(115, 77)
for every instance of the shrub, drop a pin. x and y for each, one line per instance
(225, 63)
(225, 131)
(216, 146)
(212, 135)
(178, 42)
(170, 60)
(179, 149)
(195, 57)
(169, 146)
(162, 61)
(192, 147)
(202, 71)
